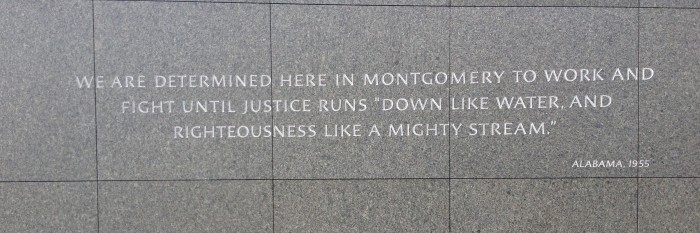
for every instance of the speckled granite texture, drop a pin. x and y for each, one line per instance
(78, 160)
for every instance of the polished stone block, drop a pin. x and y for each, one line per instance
(46, 123)
(161, 39)
(48, 207)
(544, 205)
(361, 205)
(562, 3)
(186, 206)
(86, 160)
(353, 40)
(369, 2)
(670, 3)
(544, 39)
(669, 205)
(669, 102)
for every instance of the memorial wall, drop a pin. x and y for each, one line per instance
(350, 116)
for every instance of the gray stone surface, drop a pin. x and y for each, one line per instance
(46, 123)
(157, 38)
(357, 40)
(670, 3)
(669, 205)
(494, 39)
(153, 182)
(602, 3)
(670, 102)
(185, 206)
(203, 1)
(48, 207)
(544, 205)
(361, 205)
(369, 2)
